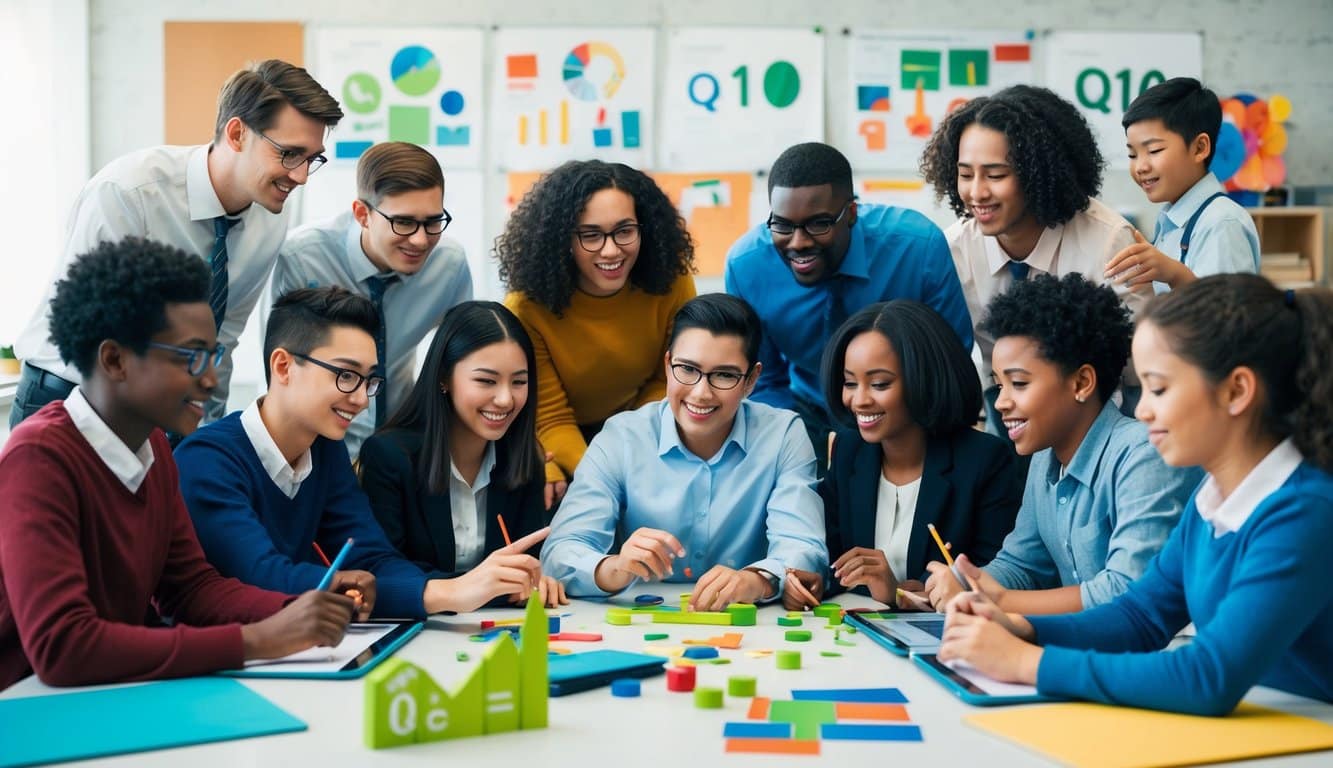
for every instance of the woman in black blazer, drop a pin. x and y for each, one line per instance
(896, 375)
(467, 425)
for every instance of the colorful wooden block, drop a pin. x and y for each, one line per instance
(743, 614)
(708, 698)
(692, 617)
(788, 659)
(741, 686)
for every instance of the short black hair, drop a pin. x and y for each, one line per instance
(940, 384)
(811, 164)
(1051, 149)
(1074, 322)
(300, 320)
(120, 291)
(1184, 106)
(720, 314)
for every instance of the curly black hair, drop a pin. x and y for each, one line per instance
(1074, 322)
(534, 251)
(1051, 148)
(120, 291)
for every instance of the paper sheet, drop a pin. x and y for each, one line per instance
(358, 639)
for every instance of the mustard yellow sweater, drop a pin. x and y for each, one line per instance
(603, 357)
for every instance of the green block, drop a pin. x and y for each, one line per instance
(435, 711)
(830, 654)
(655, 636)
(828, 610)
(708, 698)
(410, 124)
(960, 73)
(693, 617)
(741, 686)
(462, 656)
(469, 703)
(806, 717)
(787, 621)
(389, 718)
(922, 67)
(788, 659)
(501, 683)
(619, 617)
(798, 635)
(534, 685)
(743, 614)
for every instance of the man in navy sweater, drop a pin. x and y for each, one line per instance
(268, 484)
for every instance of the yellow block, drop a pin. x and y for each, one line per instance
(1100, 736)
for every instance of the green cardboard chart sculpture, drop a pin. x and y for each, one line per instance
(507, 691)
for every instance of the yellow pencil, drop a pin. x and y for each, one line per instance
(948, 559)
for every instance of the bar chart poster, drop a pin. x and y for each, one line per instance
(734, 98)
(561, 93)
(422, 86)
(901, 85)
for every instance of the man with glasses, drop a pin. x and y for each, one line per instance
(701, 485)
(388, 248)
(818, 259)
(221, 201)
(269, 487)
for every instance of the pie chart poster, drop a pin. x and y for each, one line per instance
(734, 98)
(901, 85)
(422, 86)
(562, 94)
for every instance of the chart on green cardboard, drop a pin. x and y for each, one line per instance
(562, 93)
(396, 84)
(736, 97)
(900, 85)
(1102, 72)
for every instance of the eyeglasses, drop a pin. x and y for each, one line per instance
(406, 226)
(292, 159)
(347, 380)
(594, 240)
(197, 358)
(690, 375)
(815, 227)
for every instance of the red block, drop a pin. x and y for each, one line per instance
(1013, 52)
(680, 679)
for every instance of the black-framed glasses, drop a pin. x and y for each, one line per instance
(197, 359)
(292, 159)
(406, 226)
(346, 379)
(690, 375)
(814, 227)
(594, 240)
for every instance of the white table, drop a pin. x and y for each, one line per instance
(659, 728)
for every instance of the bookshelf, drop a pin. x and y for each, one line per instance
(1291, 244)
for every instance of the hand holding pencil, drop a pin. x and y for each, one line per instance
(358, 585)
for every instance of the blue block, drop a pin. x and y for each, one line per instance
(553, 624)
(601, 137)
(350, 150)
(629, 129)
(756, 730)
(851, 732)
(648, 600)
(447, 136)
(868, 695)
(701, 652)
(625, 688)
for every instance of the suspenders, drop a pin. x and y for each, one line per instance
(1189, 225)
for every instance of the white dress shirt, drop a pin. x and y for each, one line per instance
(467, 504)
(1229, 515)
(287, 477)
(129, 467)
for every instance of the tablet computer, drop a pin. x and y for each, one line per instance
(970, 685)
(574, 672)
(365, 645)
(900, 633)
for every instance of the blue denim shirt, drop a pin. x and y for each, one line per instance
(752, 505)
(1099, 525)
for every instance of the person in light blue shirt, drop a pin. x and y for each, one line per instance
(1171, 131)
(1099, 501)
(702, 485)
(819, 259)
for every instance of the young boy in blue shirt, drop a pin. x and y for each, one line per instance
(265, 485)
(1171, 131)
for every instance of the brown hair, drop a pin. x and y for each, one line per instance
(393, 167)
(256, 93)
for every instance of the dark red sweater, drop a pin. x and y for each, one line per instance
(86, 568)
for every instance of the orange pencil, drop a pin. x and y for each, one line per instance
(321, 554)
(503, 530)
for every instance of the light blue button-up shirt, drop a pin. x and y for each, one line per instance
(1224, 238)
(753, 504)
(1100, 524)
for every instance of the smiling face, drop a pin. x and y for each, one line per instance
(704, 414)
(159, 387)
(1038, 401)
(990, 188)
(260, 174)
(1161, 162)
(812, 258)
(317, 404)
(872, 389)
(488, 389)
(605, 271)
(388, 250)
(1187, 418)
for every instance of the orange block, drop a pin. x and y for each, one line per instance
(758, 708)
(856, 710)
(521, 65)
(773, 746)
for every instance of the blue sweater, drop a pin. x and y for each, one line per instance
(1258, 597)
(250, 530)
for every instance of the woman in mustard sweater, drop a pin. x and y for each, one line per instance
(597, 261)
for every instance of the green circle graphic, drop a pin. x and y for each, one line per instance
(361, 93)
(782, 84)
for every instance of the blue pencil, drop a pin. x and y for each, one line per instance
(334, 566)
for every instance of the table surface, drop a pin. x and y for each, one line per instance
(659, 728)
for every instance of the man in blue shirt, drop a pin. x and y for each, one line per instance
(839, 257)
(703, 484)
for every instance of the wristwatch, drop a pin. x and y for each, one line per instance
(773, 582)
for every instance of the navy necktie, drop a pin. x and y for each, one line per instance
(1019, 271)
(217, 293)
(378, 284)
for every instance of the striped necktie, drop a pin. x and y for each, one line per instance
(378, 284)
(217, 293)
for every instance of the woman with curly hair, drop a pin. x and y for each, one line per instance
(597, 261)
(1099, 502)
(1237, 379)
(1021, 169)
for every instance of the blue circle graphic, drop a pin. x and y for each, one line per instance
(451, 103)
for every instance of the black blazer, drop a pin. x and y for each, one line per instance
(969, 490)
(420, 524)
